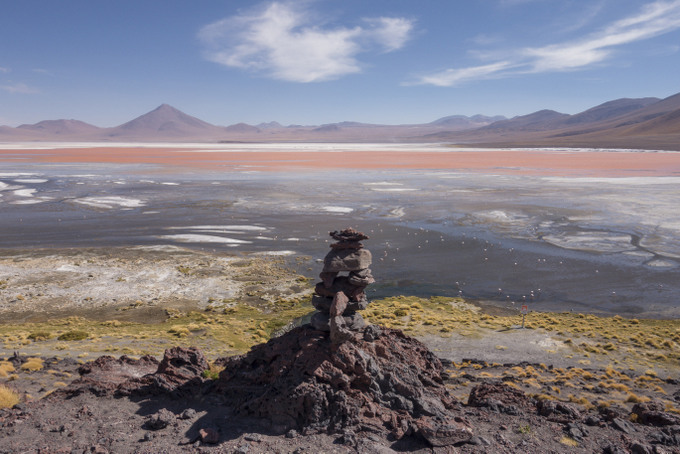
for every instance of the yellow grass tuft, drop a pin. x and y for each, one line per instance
(5, 368)
(32, 365)
(635, 399)
(8, 397)
(568, 441)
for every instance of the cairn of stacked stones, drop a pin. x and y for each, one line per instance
(338, 296)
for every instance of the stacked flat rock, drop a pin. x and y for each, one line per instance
(338, 296)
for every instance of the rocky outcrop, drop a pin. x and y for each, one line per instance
(500, 398)
(178, 373)
(105, 374)
(654, 414)
(380, 381)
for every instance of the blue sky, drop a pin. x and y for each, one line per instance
(323, 61)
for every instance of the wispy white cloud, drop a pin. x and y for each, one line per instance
(20, 88)
(451, 77)
(285, 42)
(654, 19)
(4, 70)
(390, 32)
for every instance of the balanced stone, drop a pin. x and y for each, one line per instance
(323, 304)
(361, 278)
(347, 260)
(341, 284)
(353, 321)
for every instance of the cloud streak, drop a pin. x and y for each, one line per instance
(653, 20)
(284, 42)
(19, 88)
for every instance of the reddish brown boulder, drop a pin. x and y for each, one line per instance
(179, 372)
(347, 260)
(105, 374)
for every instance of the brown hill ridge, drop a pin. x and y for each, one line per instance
(646, 123)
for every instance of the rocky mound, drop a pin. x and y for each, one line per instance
(380, 381)
(179, 373)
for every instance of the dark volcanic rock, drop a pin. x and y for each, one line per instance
(160, 420)
(653, 414)
(499, 397)
(103, 375)
(348, 235)
(179, 369)
(303, 381)
(179, 373)
(558, 411)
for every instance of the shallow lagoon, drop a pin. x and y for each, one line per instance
(553, 242)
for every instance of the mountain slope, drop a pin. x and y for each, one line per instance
(537, 121)
(611, 109)
(163, 122)
(464, 122)
(61, 127)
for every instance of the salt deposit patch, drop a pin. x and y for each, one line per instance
(170, 183)
(31, 201)
(159, 248)
(397, 212)
(662, 242)
(383, 183)
(196, 238)
(220, 231)
(382, 189)
(334, 209)
(109, 202)
(504, 217)
(661, 263)
(7, 187)
(591, 241)
(623, 181)
(222, 227)
(69, 268)
(24, 192)
(30, 180)
(274, 253)
(16, 175)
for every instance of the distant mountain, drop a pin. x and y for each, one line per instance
(537, 121)
(610, 110)
(464, 122)
(270, 125)
(242, 128)
(164, 122)
(327, 128)
(61, 127)
(622, 123)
